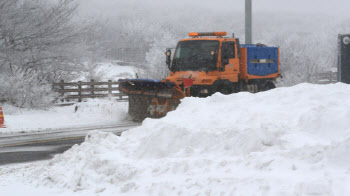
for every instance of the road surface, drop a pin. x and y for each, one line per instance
(19, 148)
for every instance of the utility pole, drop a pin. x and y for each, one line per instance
(248, 22)
(344, 59)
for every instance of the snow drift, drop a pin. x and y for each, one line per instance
(287, 141)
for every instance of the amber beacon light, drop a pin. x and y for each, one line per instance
(196, 34)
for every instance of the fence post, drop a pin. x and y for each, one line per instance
(92, 86)
(110, 87)
(79, 91)
(62, 88)
(331, 76)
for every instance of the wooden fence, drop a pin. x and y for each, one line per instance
(80, 90)
(327, 78)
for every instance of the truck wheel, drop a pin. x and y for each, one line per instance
(268, 86)
(226, 90)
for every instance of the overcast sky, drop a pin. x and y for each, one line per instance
(326, 7)
(329, 7)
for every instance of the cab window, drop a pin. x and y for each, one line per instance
(228, 50)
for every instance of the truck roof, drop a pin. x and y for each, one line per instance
(210, 38)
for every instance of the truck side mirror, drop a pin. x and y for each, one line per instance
(168, 57)
(238, 48)
(214, 55)
(224, 60)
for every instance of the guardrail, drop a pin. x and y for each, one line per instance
(80, 90)
(327, 78)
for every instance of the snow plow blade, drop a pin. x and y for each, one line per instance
(150, 98)
(145, 87)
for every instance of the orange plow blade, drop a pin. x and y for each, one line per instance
(150, 98)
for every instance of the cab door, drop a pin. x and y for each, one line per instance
(229, 61)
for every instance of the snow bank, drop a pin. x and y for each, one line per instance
(287, 141)
(92, 112)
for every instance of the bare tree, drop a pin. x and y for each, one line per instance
(40, 43)
(37, 36)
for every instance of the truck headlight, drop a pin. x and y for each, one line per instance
(204, 91)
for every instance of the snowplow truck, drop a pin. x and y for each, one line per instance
(203, 64)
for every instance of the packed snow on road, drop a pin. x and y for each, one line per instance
(288, 141)
(93, 112)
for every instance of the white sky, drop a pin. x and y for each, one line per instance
(326, 7)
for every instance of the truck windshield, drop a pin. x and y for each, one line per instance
(195, 55)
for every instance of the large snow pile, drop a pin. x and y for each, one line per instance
(287, 141)
(92, 112)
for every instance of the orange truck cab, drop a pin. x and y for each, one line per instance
(217, 63)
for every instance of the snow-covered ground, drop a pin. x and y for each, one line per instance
(91, 113)
(104, 71)
(114, 71)
(291, 141)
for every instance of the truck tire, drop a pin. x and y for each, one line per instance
(226, 90)
(224, 87)
(268, 86)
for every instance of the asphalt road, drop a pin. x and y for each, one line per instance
(42, 146)
(36, 150)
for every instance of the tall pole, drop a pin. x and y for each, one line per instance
(248, 22)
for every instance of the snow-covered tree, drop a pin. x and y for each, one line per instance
(38, 43)
(156, 67)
